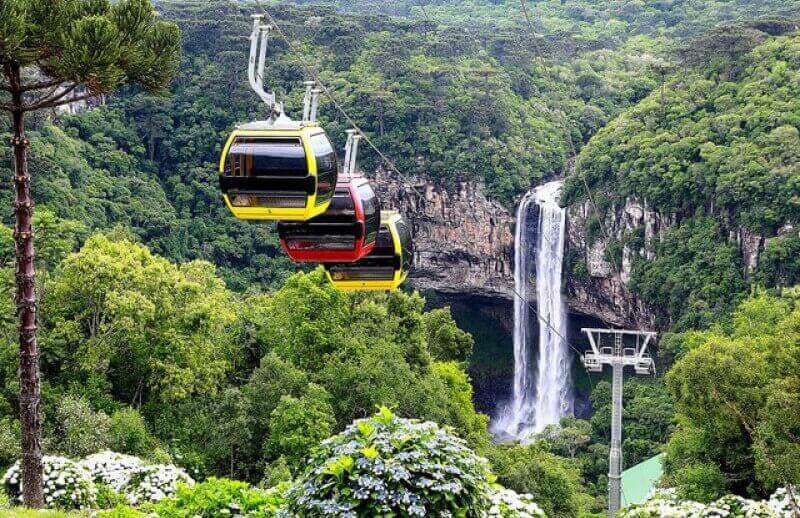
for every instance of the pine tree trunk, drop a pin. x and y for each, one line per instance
(29, 396)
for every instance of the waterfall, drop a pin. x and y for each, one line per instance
(541, 393)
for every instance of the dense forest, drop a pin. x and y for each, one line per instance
(174, 333)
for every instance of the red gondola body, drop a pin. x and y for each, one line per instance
(346, 232)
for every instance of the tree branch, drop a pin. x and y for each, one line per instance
(52, 101)
(42, 84)
(53, 104)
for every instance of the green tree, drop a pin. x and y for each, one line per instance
(53, 53)
(446, 342)
(736, 400)
(298, 424)
(554, 482)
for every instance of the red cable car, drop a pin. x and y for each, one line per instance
(344, 233)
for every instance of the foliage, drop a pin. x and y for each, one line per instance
(66, 484)
(136, 325)
(507, 503)
(386, 464)
(553, 482)
(666, 502)
(217, 497)
(446, 342)
(9, 442)
(737, 432)
(297, 425)
(79, 430)
(695, 278)
(714, 154)
(128, 433)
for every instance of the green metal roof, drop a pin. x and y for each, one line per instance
(639, 480)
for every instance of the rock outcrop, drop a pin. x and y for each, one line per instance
(464, 244)
(463, 241)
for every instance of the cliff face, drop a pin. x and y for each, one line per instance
(464, 244)
(463, 241)
(601, 290)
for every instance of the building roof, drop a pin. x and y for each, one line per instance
(639, 480)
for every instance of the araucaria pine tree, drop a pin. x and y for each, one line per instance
(55, 52)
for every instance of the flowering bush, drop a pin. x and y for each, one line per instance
(112, 469)
(664, 502)
(507, 504)
(139, 482)
(388, 465)
(784, 502)
(66, 484)
(154, 483)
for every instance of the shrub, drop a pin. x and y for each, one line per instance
(298, 424)
(507, 503)
(111, 469)
(66, 484)
(385, 465)
(154, 483)
(553, 481)
(700, 481)
(79, 429)
(128, 433)
(666, 502)
(130, 476)
(219, 497)
(107, 498)
(9, 442)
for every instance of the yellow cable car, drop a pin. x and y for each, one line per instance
(383, 269)
(282, 170)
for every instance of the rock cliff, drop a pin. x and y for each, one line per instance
(463, 241)
(464, 245)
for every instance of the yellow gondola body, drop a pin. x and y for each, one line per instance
(282, 170)
(383, 269)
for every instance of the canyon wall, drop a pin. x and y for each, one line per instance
(463, 241)
(464, 244)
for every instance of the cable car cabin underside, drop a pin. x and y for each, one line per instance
(346, 232)
(383, 269)
(278, 171)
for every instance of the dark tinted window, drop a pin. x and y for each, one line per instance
(323, 152)
(341, 204)
(258, 156)
(405, 241)
(326, 167)
(371, 211)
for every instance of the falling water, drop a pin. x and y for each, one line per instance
(542, 394)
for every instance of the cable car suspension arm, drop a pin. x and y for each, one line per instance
(259, 39)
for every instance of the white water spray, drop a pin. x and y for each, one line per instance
(542, 395)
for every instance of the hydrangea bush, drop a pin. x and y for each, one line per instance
(388, 465)
(154, 483)
(664, 502)
(67, 484)
(112, 469)
(132, 477)
(509, 504)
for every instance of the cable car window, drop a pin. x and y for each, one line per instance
(371, 211)
(258, 156)
(326, 166)
(405, 241)
(361, 273)
(323, 152)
